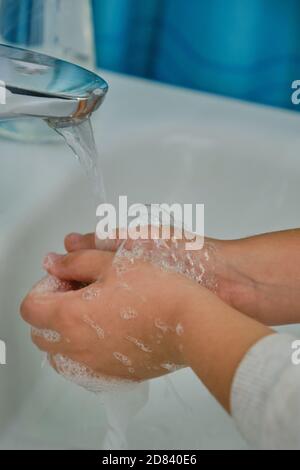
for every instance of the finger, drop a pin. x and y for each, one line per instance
(111, 243)
(90, 241)
(76, 241)
(41, 310)
(52, 284)
(81, 266)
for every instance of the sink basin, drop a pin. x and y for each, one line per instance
(158, 144)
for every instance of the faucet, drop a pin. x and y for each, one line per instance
(36, 85)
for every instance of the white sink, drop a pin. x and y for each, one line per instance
(159, 144)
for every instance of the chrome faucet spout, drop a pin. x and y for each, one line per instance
(36, 85)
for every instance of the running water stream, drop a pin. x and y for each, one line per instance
(80, 138)
(121, 406)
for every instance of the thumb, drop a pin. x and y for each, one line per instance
(83, 265)
(88, 241)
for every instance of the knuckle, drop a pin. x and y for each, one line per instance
(25, 309)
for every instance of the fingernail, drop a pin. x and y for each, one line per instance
(50, 260)
(74, 237)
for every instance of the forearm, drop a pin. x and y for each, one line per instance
(260, 276)
(216, 339)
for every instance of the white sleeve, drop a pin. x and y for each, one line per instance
(265, 395)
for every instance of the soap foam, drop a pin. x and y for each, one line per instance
(170, 256)
(85, 377)
(51, 284)
(171, 367)
(49, 335)
(128, 313)
(91, 293)
(179, 329)
(99, 331)
(139, 344)
(122, 358)
(162, 326)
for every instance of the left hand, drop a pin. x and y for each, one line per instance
(125, 322)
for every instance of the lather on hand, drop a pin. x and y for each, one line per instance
(259, 275)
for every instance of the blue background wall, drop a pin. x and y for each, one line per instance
(248, 49)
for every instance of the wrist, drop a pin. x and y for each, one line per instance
(234, 285)
(191, 322)
(216, 338)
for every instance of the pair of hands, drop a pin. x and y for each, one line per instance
(142, 309)
(120, 311)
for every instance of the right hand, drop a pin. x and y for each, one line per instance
(212, 267)
(197, 264)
